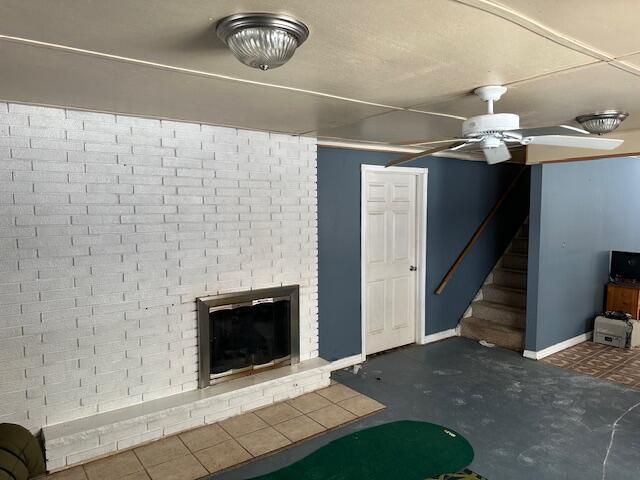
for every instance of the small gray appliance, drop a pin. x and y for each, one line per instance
(616, 332)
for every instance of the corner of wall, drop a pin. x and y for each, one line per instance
(533, 260)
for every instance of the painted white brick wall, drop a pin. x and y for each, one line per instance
(111, 225)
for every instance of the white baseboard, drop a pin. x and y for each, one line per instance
(345, 362)
(540, 354)
(435, 337)
(361, 358)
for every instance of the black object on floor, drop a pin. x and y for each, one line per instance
(20, 453)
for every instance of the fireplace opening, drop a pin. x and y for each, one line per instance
(252, 335)
(242, 333)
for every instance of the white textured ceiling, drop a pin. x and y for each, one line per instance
(376, 70)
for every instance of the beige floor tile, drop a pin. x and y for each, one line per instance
(309, 402)
(221, 456)
(332, 416)
(361, 405)
(204, 437)
(263, 441)
(136, 476)
(299, 428)
(114, 467)
(243, 424)
(181, 468)
(75, 473)
(336, 393)
(559, 361)
(161, 451)
(277, 413)
(634, 363)
(621, 378)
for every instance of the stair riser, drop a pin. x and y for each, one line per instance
(510, 279)
(525, 230)
(497, 315)
(514, 299)
(513, 340)
(517, 262)
(520, 245)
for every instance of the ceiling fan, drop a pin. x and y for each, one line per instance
(494, 133)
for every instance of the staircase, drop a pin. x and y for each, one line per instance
(498, 311)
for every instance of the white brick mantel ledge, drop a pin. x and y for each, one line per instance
(78, 441)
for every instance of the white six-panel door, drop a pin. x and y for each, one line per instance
(390, 257)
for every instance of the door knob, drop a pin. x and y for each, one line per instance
(412, 268)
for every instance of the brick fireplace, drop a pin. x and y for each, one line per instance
(113, 225)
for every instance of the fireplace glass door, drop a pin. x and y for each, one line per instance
(240, 333)
(249, 336)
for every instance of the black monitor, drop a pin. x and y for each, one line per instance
(625, 266)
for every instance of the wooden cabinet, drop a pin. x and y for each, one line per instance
(624, 298)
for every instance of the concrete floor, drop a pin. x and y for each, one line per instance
(525, 419)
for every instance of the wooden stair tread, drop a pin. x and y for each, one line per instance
(505, 288)
(500, 306)
(511, 338)
(512, 270)
(492, 325)
(518, 254)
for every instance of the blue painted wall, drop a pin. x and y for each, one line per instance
(580, 211)
(535, 202)
(460, 194)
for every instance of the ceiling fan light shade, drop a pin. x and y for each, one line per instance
(497, 154)
(262, 40)
(602, 122)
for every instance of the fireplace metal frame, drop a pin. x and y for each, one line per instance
(235, 299)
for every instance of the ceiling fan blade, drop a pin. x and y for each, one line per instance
(496, 154)
(596, 143)
(555, 130)
(424, 153)
(470, 144)
(426, 142)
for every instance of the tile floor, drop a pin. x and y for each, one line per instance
(609, 363)
(213, 448)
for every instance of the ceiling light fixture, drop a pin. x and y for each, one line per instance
(602, 122)
(262, 40)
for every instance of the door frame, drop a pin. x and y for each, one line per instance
(421, 175)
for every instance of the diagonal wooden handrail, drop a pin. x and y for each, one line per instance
(478, 232)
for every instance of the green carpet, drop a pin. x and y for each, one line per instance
(404, 450)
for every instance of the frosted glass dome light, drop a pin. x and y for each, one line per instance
(262, 40)
(602, 122)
